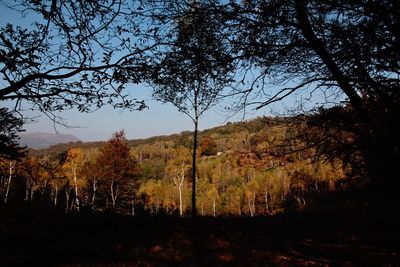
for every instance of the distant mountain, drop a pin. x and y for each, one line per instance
(37, 140)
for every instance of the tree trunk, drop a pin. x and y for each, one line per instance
(94, 193)
(28, 188)
(10, 171)
(67, 195)
(254, 203)
(179, 184)
(180, 201)
(327, 59)
(266, 202)
(114, 195)
(250, 207)
(55, 196)
(194, 209)
(214, 213)
(76, 190)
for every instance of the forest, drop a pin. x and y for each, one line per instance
(251, 168)
(314, 185)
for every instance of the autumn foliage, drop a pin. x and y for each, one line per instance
(259, 167)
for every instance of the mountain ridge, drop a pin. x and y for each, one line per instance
(40, 140)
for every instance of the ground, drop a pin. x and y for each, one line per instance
(330, 238)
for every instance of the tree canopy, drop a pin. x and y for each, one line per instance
(10, 126)
(66, 54)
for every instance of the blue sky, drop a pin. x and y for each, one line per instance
(158, 119)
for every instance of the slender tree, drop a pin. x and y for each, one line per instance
(73, 167)
(189, 74)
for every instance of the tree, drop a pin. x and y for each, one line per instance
(9, 164)
(177, 168)
(33, 173)
(152, 190)
(250, 191)
(91, 172)
(309, 42)
(269, 183)
(70, 54)
(347, 50)
(189, 74)
(10, 126)
(115, 165)
(73, 167)
(233, 198)
(208, 147)
(53, 168)
(10, 150)
(213, 195)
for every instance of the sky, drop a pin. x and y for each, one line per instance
(158, 119)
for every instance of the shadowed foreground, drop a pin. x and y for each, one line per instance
(363, 237)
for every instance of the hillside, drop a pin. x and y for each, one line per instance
(252, 125)
(261, 166)
(37, 140)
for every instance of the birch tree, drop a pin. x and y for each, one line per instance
(11, 169)
(73, 167)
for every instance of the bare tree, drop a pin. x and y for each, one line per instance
(178, 182)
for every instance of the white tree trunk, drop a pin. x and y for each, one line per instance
(179, 184)
(180, 201)
(10, 172)
(250, 207)
(251, 202)
(55, 196)
(214, 213)
(94, 192)
(76, 189)
(114, 194)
